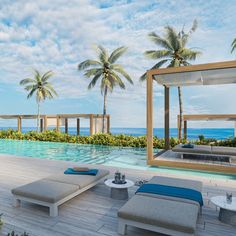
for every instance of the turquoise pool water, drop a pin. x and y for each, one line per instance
(134, 158)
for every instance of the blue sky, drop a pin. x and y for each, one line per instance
(57, 35)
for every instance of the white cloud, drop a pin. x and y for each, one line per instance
(59, 34)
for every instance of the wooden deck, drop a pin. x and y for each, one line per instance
(92, 213)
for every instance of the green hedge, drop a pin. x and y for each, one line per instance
(97, 139)
(105, 139)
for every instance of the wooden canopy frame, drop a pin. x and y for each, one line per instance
(205, 117)
(59, 117)
(153, 159)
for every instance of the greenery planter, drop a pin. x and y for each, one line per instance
(120, 140)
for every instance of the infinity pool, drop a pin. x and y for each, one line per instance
(134, 158)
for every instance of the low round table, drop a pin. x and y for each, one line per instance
(227, 210)
(119, 191)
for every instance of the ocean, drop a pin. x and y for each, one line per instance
(193, 133)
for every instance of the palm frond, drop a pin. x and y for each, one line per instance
(27, 81)
(121, 71)
(189, 54)
(159, 41)
(31, 93)
(158, 54)
(37, 75)
(174, 63)
(49, 87)
(29, 87)
(107, 83)
(94, 80)
(88, 63)
(116, 54)
(92, 72)
(185, 36)
(102, 54)
(194, 27)
(233, 45)
(48, 94)
(118, 80)
(47, 75)
(172, 37)
(156, 66)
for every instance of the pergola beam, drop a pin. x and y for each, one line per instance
(194, 68)
(45, 121)
(206, 117)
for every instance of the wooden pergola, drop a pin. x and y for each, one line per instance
(204, 117)
(58, 120)
(202, 74)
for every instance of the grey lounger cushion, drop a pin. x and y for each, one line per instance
(176, 182)
(197, 149)
(79, 180)
(218, 150)
(45, 190)
(206, 149)
(182, 183)
(163, 213)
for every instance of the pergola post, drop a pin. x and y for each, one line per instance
(45, 123)
(66, 125)
(185, 129)
(78, 126)
(149, 117)
(19, 124)
(58, 124)
(178, 124)
(91, 124)
(41, 125)
(167, 118)
(108, 124)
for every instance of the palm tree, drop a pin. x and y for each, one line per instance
(107, 71)
(173, 53)
(39, 86)
(233, 45)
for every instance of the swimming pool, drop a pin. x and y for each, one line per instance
(134, 158)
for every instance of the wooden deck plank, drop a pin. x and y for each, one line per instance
(93, 213)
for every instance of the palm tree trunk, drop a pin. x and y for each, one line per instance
(104, 109)
(38, 116)
(180, 112)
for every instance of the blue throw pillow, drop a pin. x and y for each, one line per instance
(188, 145)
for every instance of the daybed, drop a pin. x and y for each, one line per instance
(56, 189)
(164, 214)
(227, 154)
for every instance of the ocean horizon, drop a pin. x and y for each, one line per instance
(193, 133)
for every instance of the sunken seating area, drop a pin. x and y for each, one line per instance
(205, 152)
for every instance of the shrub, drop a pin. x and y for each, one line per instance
(107, 139)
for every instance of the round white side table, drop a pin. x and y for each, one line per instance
(227, 210)
(119, 191)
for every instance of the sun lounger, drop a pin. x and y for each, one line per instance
(164, 214)
(227, 154)
(56, 189)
